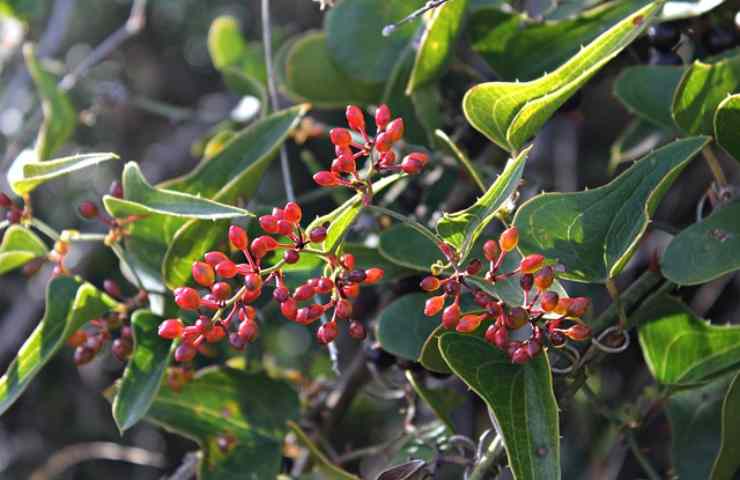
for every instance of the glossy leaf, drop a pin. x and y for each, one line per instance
(252, 409)
(511, 113)
(404, 246)
(38, 173)
(443, 401)
(323, 464)
(19, 246)
(520, 397)
(144, 372)
(682, 349)
(695, 417)
(727, 125)
(727, 463)
(70, 303)
(647, 91)
(311, 75)
(437, 43)
(595, 232)
(402, 327)
(702, 88)
(705, 250)
(637, 140)
(142, 199)
(354, 36)
(228, 48)
(462, 229)
(503, 38)
(60, 118)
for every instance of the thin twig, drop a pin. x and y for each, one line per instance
(488, 460)
(715, 167)
(430, 5)
(640, 457)
(272, 90)
(187, 468)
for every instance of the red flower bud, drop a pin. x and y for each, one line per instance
(450, 316)
(578, 332)
(411, 166)
(343, 309)
(531, 263)
(395, 129)
(289, 309)
(348, 261)
(469, 323)
(238, 237)
(221, 290)
(317, 235)
(324, 285)
(383, 142)
(203, 274)
(373, 275)
(382, 117)
(291, 257)
(327, 333)
(434, 305)
(526, 281)
(226, 269)
(185, 352)
(253, 281)
(357, 330)
(544, 278)
(517, 318)
(340, 137)
(269, 223)
(491, 250)
(430, 284)
(187, 298)
(520, 355)
(578, 307)
(248, 331)
(88, 210)
(352, 290)
(293, 212)
(355, 118)
(549, 301)
(116, 189)
(326, 179)
(509, 239)
(303, 293)
(215, 257)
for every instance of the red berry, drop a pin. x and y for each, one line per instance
(578, 307)
(517, 318)
(340, 137)
(351, 290)
(187, 298)
(215, 257)
(293, 212)
(430, 284)
(355, 118)
(315, 311)
(203, 274)
(112, 288)
(253, 281)
(481, 298)
(531, 263)
(324, 285)
(269, 223)
(373, 275)
(450, 316)
(520, 356)
(357, 330)
(533, 348)
(434, 305)
(236, 341)
(281, 294)
(388, 159)
(383, 142)
(317, 235)
(326, 179)
(289, 309)
(170, 329)
(395, 129)
(501, 338)
(248, 331)
(526, 282)
(544, 278)
(303, 316)
(557, 339)
(5, 201)
(411, 166)
(469, 323)
(83, 355)
(291, 256)
(348, 261)
(356, 276)
(285, 228)
(549, 301)
(578, 332)
(509, 239)
(303, 293)
(116, 189)
(261, 245)
(185, 352)
(238, 237)
(250, 296)
(88, 210)
(345, 164)
(226, 269)
(221, 290)
(382, 117)
(77, 338)
(247, 312)
(562, 305)
(343, 309)
(122, 348)
(474, 267)
(210, 302)
(327, 333)
(491, 250)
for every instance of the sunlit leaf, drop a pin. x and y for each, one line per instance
(19, 246)
(727, 125)
(37, 173)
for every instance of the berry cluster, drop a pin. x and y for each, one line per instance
(14, 213)
(542, 310)
(379, 150)
(230, 288)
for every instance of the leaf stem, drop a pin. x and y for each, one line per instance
(45, 229)
(121, 254)
(714, 166)
(640, 457)
(408, 221)
(488, 460)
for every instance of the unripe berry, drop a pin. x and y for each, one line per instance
(373, 275)
(357, 276)
(544, 278)
(293, 212)
(343, 309)
(317, 235)
(289, 309)
(526, 282)
(121, 348)
(357, 330)
(491, 250)
(248, 331)
(578, 307)
(303, 293)
(238, 237)
(203, 274)
(450, 316)
(170, 329)
(395, 129)
(557, 339)
(351, 290)
(531, 263)
(411, 166)
(430, 284)
(517, 318)
(549, 301)
(340, 137)
(434, 305)
(269, 223)
(509, 239)
(355, 118)
(469, 323)
(187, 298)
(112, 288)
(185, 352)
(578, 332)
(5, 201)
(226, 269)
(520, 355)
(215, 257)
(348, 261)
(221, 290)
(116, 189)
(383, 142)
(291, 256)
(382, 117)
(326, 178)
(88, 210)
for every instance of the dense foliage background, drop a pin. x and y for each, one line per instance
(158, 98)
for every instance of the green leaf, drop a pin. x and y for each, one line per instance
(511, 113)
(595, 232)
(682, 349)
(402, 327)
(647, 91)
(727, 463)
(462, 229)
(504, 39)
(143, 199)
(520, 397)
(705, 250)
(637, 140)
(323, 464)
(701, 90)
(222, 402)
(727, 124)
(37, 173)
(144, 372)
(695, 417)
(443, 401)
(70, 303)
(447, 143)
(354, 36)
(60, 118)
(404, 246)
(19, 246)
(311, 75)
(437, 43)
